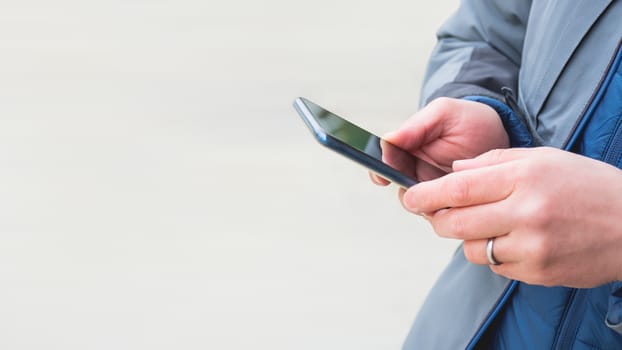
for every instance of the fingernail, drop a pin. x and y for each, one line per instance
(410, 203)
(457, 164)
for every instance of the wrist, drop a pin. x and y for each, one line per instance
(517, 131)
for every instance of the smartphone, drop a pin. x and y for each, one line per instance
(361, 146)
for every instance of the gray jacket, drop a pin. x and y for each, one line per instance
(562, 60)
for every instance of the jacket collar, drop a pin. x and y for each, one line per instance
(579, 17)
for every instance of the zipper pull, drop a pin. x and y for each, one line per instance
(510, 99)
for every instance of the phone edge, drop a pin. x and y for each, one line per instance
(353, 154)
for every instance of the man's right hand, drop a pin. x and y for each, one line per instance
(447, 130)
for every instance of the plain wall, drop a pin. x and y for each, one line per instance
(158, 190)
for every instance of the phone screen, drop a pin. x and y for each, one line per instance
(366, 142)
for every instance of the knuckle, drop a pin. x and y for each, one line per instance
(458, 189)
(539, 250)
(495, 154)
(457, 226)
(523, 172)
(549, 150)
(442, 101)
(539, 213)
(532, 166)
(442, 105)
(535, 212)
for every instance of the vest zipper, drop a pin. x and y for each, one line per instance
(613, 153)
(510, 101)
(571, 318)
(503, 299)
(566, 323)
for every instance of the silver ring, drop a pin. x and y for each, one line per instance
(489, 254)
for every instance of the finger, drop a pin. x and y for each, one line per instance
(431, 122)
(508, 248)
(508, 270)
(400, 195)
(522, 272)
(412, 135)
(473, 223)
(377, 179)
(423, 127)
(397, 158)
(461, 189)
(404, 162)
(493, 157)
(518, 271)
(475, 250)
(425, 171)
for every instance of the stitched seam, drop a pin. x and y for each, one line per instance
(612, 153)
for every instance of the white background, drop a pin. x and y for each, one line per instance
(158, 191)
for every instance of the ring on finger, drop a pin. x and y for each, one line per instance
(489, 252)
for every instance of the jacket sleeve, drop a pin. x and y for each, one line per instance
(478, 51)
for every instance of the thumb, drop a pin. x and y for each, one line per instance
(492, 157)
(422, 128)
(409, 137)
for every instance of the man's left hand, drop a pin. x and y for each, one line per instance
(556, 217)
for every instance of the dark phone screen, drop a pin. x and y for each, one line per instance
(364, 141)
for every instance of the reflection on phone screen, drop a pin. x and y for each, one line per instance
(364, 141)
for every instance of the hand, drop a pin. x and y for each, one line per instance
(447, 130)
(554, 215)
